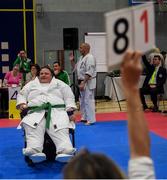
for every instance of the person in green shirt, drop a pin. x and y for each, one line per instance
(60, 74)
(24, 64)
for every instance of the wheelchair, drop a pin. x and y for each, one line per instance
(49, 147)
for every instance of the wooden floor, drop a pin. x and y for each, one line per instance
(104, 105)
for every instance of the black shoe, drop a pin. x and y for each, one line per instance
(155, 109)
(145, 108)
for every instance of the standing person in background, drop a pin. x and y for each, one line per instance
(86, 75)
(86, 165)
(35, 69)
(24, 64)
(60, 74)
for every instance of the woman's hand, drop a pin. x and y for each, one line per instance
(130, 71)
(22, 106)
(71, 56)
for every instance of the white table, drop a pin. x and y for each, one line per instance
(109, 89)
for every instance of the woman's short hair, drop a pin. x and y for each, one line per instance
(47, 67)
(37, 68)
(86, 165)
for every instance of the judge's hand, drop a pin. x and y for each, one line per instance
(71, 56)
(152, 86)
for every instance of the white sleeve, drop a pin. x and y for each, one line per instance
(68, 96)
(90, 66)
(141, 168)
(23, 95)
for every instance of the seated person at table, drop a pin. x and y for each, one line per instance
(12, 78)
(35, 69)
(51, 105)
(86, 165)
(60, 74)
(154, 81)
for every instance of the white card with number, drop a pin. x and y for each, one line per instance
(144, 30)
(119, 38)
(130, 28)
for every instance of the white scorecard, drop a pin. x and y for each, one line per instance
(130, 28)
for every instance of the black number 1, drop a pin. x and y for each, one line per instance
(121, 35)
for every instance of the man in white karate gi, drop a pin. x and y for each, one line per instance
(86, 75)
(51, 105)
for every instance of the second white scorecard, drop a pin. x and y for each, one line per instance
(130, 28)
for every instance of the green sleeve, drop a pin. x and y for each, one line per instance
(17, 61)
(27, 67)
(66, 78)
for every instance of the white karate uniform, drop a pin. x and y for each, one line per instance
(56, 92)
(87, 66)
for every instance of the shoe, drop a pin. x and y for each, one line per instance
(155, 109)
(64, 157)
(165, 111)
(38, 157)
(146, 109)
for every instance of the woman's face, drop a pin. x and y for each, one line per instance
(45, 76)
(33, 70)
(15, 69)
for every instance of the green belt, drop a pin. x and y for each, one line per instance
(48, 107)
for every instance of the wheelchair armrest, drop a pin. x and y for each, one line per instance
(71, 130)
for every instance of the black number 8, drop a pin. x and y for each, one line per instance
(121, 35)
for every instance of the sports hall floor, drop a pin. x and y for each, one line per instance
(109, 136)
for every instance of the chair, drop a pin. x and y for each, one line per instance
(49, 147)
(160, 98)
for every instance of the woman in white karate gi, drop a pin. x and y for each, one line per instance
(51, 106)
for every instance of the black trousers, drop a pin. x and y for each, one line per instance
(153, 92)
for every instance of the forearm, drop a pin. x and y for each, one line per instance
(138, 130)
(68, 98)
(17, 61)
(145, 61)
(72, 64)
(87, 77)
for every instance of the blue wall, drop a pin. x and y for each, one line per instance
(12, 30)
